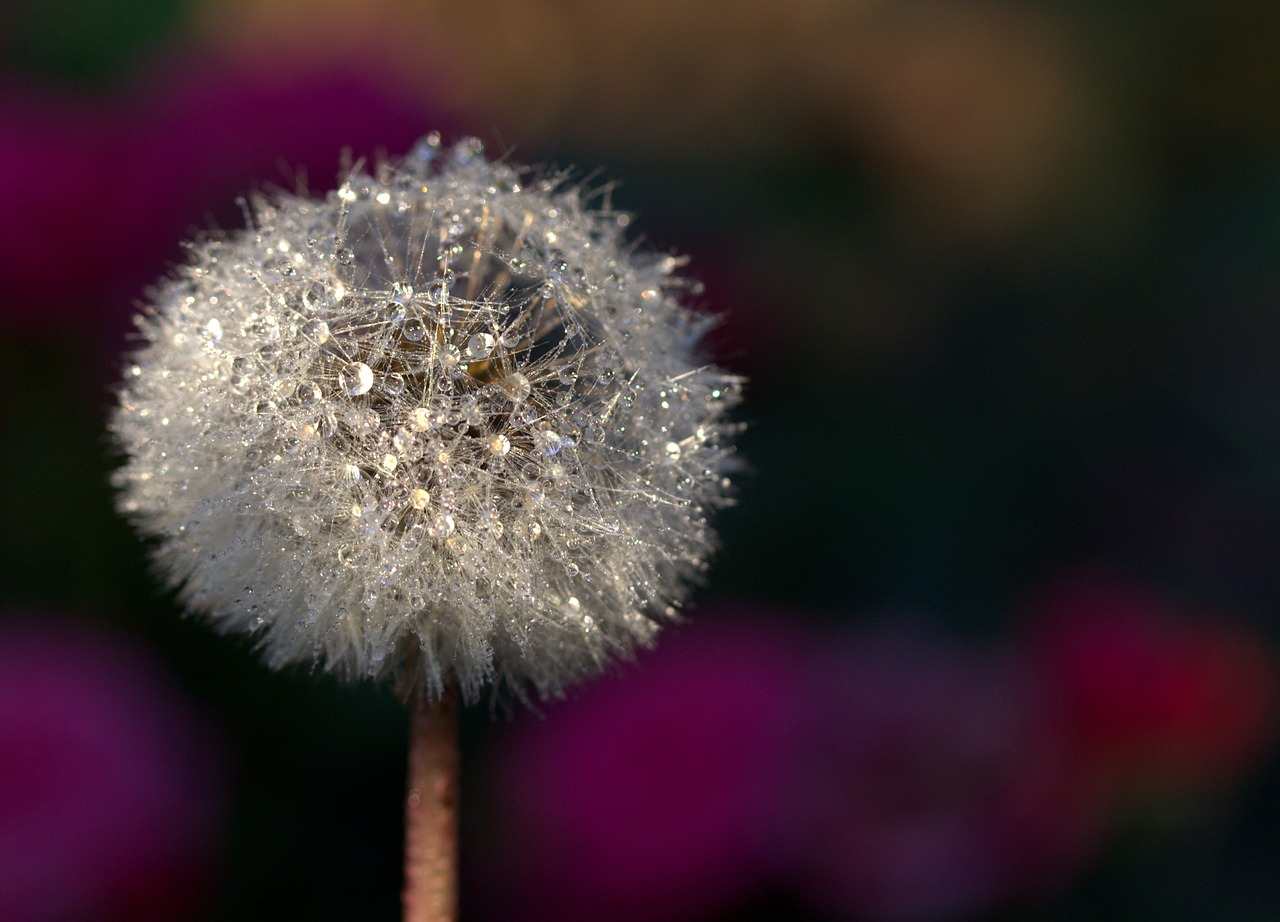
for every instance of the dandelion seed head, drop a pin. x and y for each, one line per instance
(444, 425)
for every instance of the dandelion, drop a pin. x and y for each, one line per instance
(444, 427)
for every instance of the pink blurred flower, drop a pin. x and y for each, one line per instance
(99, 192)
(648, 797)
(932, 787)
(1152, 698)
(110, 785)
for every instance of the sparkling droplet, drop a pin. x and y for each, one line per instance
(480, 346)
(405, 442)
(394, 312)
(451, 361)
(393, 385)
(419, 498)
(499, 445)
(548, 441)
(442, 526)
(214, 329)
(672, 451)
(427, 149)
(438, 291)
(307, 394)
(356, 379)
(316, 296)
(413, 330)
(389, 462)
(470, 413)
(516, 386)
(316, 331)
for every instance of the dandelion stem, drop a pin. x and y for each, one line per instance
(431, 813)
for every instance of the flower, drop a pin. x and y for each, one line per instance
(110, 783)
(1155, 700)
(933, 787)
(185, 140)
(443, 426)
(654, 798)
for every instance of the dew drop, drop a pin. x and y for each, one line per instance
(316, 331)
(307, 394)
(414, 330)
(672, 451)
(394, 312)
(356, 379)
(393, 385)
(480, 346)
(451, 361)
(442, 526)
(427, 149)
(516, 386)
(419, 498)
(438, 291)
(548, 441)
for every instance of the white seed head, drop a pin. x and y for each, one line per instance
(443, 426)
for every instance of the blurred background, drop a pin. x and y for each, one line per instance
(993, 631)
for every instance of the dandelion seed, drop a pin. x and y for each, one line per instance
(441, 417)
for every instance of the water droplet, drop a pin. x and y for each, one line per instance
(316, 331)
(480, 346)
(214, 329)
(548, 441)
(499, 445)
(356, 379)
(307, 394)
(470, 413)
(344, 255)
(419, 498)
(516, 386)
(451, 360)
(442, 526)
(393, 385)
(413, 330)
(316, 296)
(438, 291)
(389, 462)
(394, 312)
(467, 150)
(426, 150)
(672, 451)
(351, 473)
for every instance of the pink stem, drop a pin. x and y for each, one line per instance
(431, 813)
